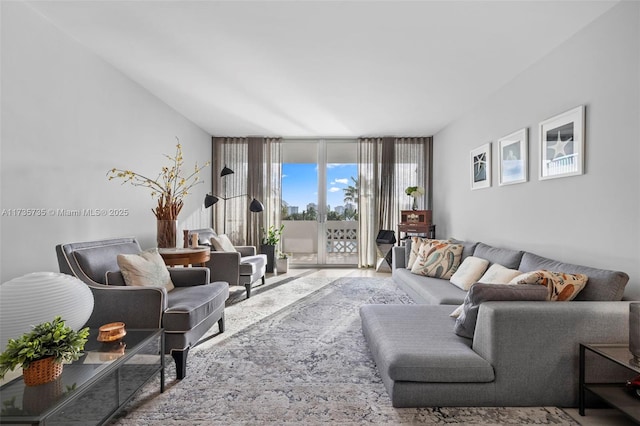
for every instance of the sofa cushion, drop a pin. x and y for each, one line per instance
(469, 271)
(438, 259)
(189, 306)
(498, 274)
(145, 269)
(465, 324)
(560, 286)
(222, 243)
(602, 285)
(95, 262)
(250, 265)
(426, 290)
(415, 343)
(505, 257)
(414, 246)
(469, 247)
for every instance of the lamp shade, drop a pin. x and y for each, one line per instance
(209, 200)
(226, 171)
(38, 297)
(256, 206)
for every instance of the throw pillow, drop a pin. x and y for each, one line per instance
(416, 245)
(479, 292)
(457, 311)
(438, 259)
(145, 269)
(498, 274)
(223, 243)
(469, 271)
(560, 286)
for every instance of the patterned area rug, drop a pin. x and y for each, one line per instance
(305, 364)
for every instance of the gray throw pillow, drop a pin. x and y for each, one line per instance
(479, 292)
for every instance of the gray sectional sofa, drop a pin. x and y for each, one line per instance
(523, 353)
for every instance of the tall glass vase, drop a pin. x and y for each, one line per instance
(414, 206)
(167, 232)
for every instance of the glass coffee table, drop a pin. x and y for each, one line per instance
(92, 389)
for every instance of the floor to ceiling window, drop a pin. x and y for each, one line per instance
(319, 201)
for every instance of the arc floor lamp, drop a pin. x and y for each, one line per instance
(209, 200)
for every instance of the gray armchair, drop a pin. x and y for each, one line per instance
(186, 313)
(244, 267)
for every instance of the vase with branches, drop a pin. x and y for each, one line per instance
(170, 188)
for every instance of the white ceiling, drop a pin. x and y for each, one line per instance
(322, 68)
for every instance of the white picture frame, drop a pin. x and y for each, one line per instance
(562, 145)
(480, 167)
(514, 158)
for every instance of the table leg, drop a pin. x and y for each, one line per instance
(581, 382)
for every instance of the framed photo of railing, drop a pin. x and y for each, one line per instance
(481, 167)
(514, 150)
(562, 144)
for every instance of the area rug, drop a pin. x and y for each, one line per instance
(305, 364)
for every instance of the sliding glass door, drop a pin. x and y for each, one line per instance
(319, 208)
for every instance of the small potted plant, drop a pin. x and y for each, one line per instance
(270, 239)
(282, 262)
(42, 351)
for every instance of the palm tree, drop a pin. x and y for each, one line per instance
(351, 192)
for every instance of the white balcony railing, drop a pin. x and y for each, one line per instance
(300, 239)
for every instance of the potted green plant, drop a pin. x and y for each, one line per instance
(282, 262)
(270, 239)
(42, 351)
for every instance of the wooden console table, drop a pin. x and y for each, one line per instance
(197, 256)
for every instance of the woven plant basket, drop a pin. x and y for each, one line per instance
(42, 371)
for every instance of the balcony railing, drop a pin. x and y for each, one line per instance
(300, 240)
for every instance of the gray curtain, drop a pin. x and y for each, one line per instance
(264, 184)
(256, 163)
(386, 167)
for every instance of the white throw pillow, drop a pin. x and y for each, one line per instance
(498, 274)
(469, 272)
(223, 243)
(456, 313)
(145, 269)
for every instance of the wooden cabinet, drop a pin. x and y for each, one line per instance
(415, 222)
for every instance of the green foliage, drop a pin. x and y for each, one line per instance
(47, 339)
(272, 235)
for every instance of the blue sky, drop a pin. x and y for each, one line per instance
(300, 183)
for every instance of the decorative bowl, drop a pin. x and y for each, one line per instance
(111, 332)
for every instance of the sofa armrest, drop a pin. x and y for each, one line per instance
(246, 250)
(186, 277)
(225, 266)
(534, 346)
(137, 307)
(397, 257)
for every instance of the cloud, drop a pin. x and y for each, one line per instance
(343, 181)
(284, 176)
(334, 189)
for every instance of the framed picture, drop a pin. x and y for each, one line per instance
(514, 149)
(562, 145)
(481, 167)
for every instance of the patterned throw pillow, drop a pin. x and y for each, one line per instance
(498, 274)
(416, 245)
(560, 286)
(469, 271)
(145, 269)
(223, 243)
(438, 259)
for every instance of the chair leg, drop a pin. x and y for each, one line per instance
(263, 280)
(248, 287)
(181, 362)
(221, 323)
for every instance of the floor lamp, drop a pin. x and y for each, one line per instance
(209, 200)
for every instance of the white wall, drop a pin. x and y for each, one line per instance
(591, 219)
(67, 118)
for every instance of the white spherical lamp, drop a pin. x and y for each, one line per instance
(38, 297)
